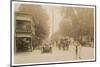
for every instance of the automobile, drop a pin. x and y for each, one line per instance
(46, 48)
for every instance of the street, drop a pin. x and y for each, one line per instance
(36, 56)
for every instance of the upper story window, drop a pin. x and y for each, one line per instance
(23, 26)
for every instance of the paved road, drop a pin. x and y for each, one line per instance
(37, 57)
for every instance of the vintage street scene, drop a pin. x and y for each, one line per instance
(51, 33)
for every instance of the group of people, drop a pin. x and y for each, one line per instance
(62, 44)
(23, 44)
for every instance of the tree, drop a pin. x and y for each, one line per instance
(77, 21)
(40, 19)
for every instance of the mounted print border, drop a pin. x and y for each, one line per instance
(52, 33)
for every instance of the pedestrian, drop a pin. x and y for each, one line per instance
(64, 44)
(59, 44)
(77, 49)
(67, 43)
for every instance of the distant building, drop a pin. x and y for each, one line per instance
(24, 31)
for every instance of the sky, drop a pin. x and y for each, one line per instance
(54, 14)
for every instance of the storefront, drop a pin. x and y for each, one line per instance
(24, 32)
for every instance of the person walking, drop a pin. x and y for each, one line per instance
(77, 49)
(67, 43)
(59, 44)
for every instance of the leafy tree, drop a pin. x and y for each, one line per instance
(77, 21)
(40, 19)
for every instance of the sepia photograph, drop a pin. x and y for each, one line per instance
(52, 33)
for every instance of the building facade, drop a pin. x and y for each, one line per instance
(24, 32)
